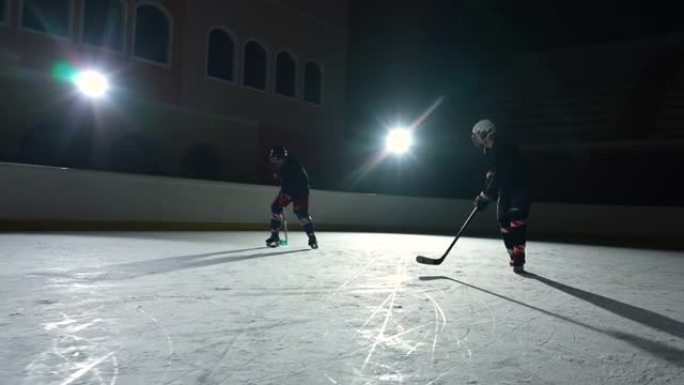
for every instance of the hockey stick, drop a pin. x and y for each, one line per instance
(430, 261)
(284, 243)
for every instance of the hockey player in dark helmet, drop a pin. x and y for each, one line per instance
(508, 177)
(294, 182)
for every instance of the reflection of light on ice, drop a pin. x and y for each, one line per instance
(392, 377)
(332, 380)
(81, 355)
(86, 369)
(53, 325)
(398, 330)
(76, 329)
(69, 321)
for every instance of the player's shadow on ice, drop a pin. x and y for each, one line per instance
(636, 314)
(645, 317)
(183, 262)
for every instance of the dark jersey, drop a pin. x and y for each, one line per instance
(509, 167)
(293, 178)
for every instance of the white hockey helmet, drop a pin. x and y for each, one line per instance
(481, 130)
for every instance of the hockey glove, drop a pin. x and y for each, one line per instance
(482, 201)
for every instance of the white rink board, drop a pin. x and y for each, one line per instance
(39, 193)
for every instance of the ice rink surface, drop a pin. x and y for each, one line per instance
(218, 308)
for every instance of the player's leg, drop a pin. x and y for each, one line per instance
(301, 210)
(518, 214)
(277, 206)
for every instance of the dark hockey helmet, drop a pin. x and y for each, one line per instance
(277, 153)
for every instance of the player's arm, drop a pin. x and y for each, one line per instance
(485, 196)
(489, 189)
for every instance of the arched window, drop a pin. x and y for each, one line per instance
(221, 55)
(152, 34)
(312, 83)
(285, 74)
(103, 23)
(48, 16)
(255, 66)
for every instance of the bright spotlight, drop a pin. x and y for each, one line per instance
(92, 83)
(398, 140)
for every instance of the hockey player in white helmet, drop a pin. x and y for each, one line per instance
(508, 178)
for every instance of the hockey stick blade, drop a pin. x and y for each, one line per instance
(428, 261)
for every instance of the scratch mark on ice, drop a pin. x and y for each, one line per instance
(86, 369)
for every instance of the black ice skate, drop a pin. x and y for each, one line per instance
(517, 261)
(273, 241)
(312, 241)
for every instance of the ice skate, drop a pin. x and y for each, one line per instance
(273, 240)
(312, 241)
